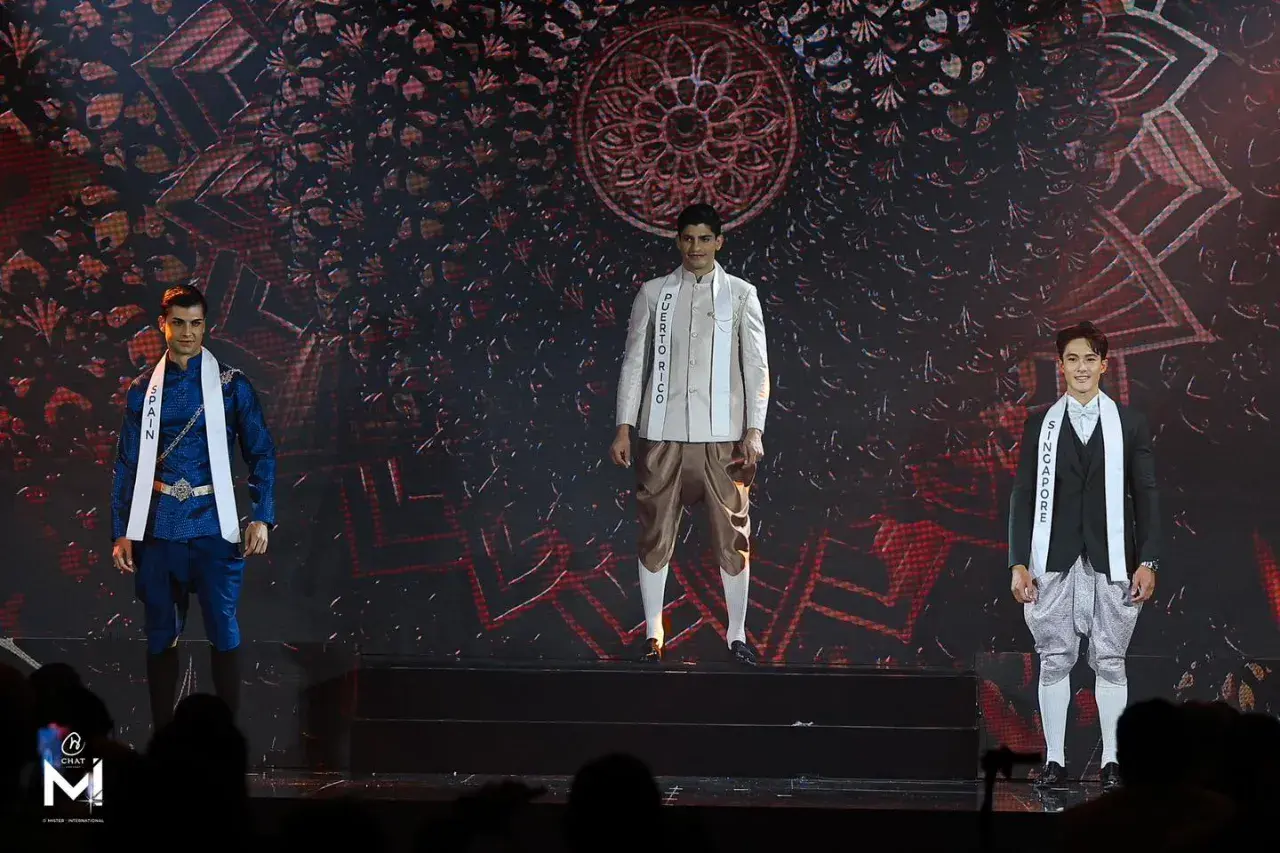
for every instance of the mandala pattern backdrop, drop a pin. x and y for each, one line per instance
(710, 120)
(420, 224)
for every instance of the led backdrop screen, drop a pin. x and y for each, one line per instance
(420, 226)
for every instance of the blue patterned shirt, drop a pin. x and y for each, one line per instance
(177, 520)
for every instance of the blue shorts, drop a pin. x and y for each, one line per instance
(168, 572)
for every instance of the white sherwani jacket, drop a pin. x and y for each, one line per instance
(690, 397)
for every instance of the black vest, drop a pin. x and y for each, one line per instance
(1087, 454)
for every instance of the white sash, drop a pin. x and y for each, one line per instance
(1113, 459)
(1046, 472)
(721, 338)
(660, 383)
(215, 424)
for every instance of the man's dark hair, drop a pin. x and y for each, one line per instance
(183, 296)
(1087, 331)
(699, 214)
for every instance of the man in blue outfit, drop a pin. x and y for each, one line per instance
(173, 507)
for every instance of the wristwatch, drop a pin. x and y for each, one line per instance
(1153, 565)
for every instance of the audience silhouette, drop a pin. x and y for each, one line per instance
(1196, 777)
(610, 792)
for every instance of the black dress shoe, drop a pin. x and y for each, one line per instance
(1052, 775)
(742, 653)
(652, 651)
(1110, 776)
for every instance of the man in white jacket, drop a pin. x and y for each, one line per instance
(695, 385)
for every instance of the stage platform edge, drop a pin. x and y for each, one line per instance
(425, 716)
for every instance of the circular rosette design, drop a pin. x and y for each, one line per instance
(682, 111)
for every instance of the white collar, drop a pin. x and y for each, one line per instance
(1075, 405)
(708, 278)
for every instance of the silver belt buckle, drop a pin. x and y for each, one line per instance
(181, 490)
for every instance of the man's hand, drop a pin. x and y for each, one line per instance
(1023, 586)
(620, 450)
(255, 539)
(122, 554)
(753, 446)
(1143, 586)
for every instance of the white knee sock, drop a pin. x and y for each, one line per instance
(1112, 699)
(1055, 701)
(735, 598)
(653, 587)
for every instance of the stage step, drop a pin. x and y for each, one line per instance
(708, 720)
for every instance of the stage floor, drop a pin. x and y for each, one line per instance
(1010, 797)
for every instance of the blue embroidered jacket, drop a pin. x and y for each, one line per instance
(177, 520)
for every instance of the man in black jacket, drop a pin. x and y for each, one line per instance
(1084, 539)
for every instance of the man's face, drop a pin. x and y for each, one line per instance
(698, 247)
(1081, 367)
(183, 330)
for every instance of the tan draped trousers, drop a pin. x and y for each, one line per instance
(672, 475)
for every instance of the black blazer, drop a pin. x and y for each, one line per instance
(1079, 503)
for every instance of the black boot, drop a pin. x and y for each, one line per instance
(742, 653)
(226, 676)
(1052, 775)
(162, 685)
(1110, 776)
(652, 651)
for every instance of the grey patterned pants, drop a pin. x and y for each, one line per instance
(1081, 603)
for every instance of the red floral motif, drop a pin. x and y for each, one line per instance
(686, 110)
(74, 561)
(1005, 724)
(9, 613)
(1268, 574)
(64, 397)
(892, 588)
(1086, 707)
(1163, 188)
(37, 181)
